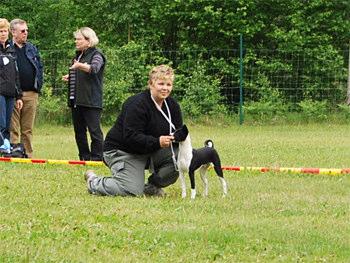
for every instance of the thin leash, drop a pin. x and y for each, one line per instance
(171, 128)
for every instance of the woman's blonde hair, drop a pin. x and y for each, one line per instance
(161, 72)
(88, 34)
(4, 23)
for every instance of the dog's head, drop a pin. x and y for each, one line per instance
(181, 134)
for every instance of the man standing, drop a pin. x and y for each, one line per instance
(31, 80)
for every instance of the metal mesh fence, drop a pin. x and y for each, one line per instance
(294, 75)
(297, 75)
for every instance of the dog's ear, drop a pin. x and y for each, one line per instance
(181, 134)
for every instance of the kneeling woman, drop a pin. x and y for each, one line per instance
(142, 136)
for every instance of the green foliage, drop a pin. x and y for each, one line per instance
(270, 104)
(125, 74)
(325, 60)
(264, 111)
(52, 109)
(314, 110)
(195, 24)
(306, 42)
(201, 94)
(344, 110)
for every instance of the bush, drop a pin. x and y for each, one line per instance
(265, 110)
(125, 72)
(314, 110)
(270, 106)
(52, 108)
(201, 94)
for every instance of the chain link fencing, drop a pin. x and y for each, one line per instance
(213, 76)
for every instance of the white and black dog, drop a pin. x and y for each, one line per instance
(189, 160)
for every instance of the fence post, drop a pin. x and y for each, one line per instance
(241, 115)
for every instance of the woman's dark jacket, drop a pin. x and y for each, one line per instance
(88, 85)
(140, 124)
(9, 76)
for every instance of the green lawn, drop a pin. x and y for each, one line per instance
(46, 214)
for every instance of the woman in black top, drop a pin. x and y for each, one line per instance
(85, 81)
(141, 137)
(10, 91)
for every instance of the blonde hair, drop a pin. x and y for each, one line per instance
(161, 72)
(88, 34)
(4, 23)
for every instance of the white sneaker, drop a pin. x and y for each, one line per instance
(6, 147)
(89, 176)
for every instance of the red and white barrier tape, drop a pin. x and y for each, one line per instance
(327, 171)
(45, 161)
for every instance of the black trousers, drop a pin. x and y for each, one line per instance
(86, 118)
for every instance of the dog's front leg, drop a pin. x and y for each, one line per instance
(183, 185)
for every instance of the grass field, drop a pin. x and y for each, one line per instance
(46, 214)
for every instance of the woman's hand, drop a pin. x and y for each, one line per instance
(81, 66)
(165, 140)
(76, 65)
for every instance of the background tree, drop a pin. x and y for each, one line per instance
(301, 41)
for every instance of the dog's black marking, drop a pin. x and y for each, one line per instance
(189, 160)
(203, 156)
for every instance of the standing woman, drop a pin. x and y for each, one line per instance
(85, 81)
(9, 85)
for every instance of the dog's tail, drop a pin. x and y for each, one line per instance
(209, 143)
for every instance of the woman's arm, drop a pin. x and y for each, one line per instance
(95, 66)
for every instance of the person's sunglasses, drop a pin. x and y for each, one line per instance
(24, 30)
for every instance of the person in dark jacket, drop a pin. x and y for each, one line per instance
(31, 80)
(141, 138)
(9, 85)
(85, 82)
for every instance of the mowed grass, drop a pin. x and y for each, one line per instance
(46, 214)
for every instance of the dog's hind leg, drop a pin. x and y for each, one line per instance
(218, 170)
(183, 185)
(224, 186)
(193, 184)
(203, 172)
(220, 174)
